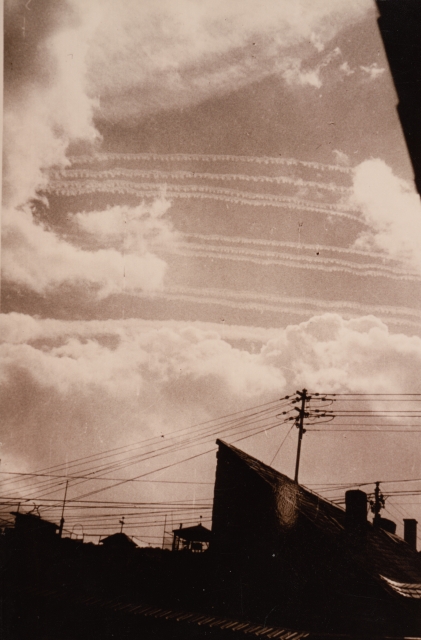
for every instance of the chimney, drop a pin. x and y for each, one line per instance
(410, 532)
(356, 511)
(387, 525)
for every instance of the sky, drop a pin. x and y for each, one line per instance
(207, 206)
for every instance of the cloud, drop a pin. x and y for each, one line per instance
(147, 358)
(67, 61)
(341, 158)
(47, 106)
(40, 259)
(111, 386)
(19, 328)
(47, 101)
(294, 74)
(135, 227)
(110, 382)
(346, 69)
(391, 209)
(373, 70)
(159, 55)
(330, 354)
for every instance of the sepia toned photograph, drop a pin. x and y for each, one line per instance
(210, 328)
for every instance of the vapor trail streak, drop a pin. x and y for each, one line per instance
(325, 305)
(199, 296)
(184, 175)
(356, 266)
(291, 261)
(177, 157)
(293, 245)
(74, 188)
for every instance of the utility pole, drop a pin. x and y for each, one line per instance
(300, 425)
(377, 504)
(60, 530)
(122, 524)
(163, 535)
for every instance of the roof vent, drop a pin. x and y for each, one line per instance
(410, 532)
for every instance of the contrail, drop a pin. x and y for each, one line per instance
(185, 175)
(292, 245)
(325, 305)
(74, 188)
(199, 296)
(288, 260)
(115, 184)
(218, 249)
(188, 157)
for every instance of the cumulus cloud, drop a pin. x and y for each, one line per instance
(137, 227)
(47, 101)
(116, 386)
(111, 381)
(39, 259)
(18, 328)
(326, 351)
(152, 357)
(47, 106)
(331, 354)
(391, 209)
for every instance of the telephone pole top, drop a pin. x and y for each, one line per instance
(299, 423)
(377, 504)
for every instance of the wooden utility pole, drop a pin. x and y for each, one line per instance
(60, 530)
(163, 535)
(300, 425)
(377, 505)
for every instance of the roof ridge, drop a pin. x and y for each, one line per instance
(244, 456)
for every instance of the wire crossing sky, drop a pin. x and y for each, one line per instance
(205, 208)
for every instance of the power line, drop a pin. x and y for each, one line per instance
(281, 445)
(75, 477)
(175, 446)
(214, 428)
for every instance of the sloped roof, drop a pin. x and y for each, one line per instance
(201, 620)
(198, 533)
(323, 513)
(118, 540)
(410, 590)
(33, 521)
(133, 608)
(388, 558)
